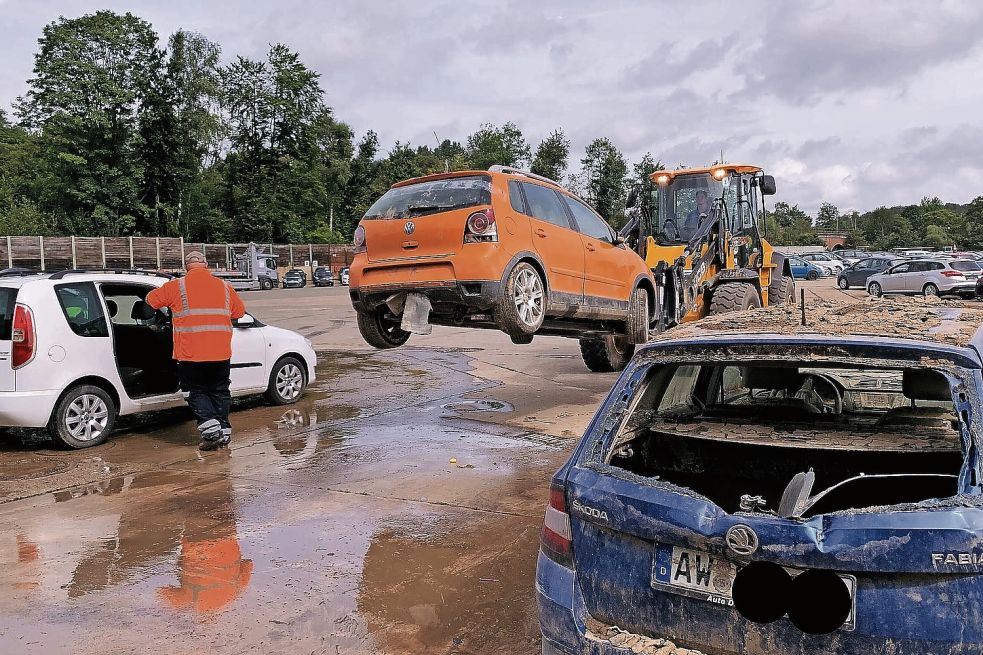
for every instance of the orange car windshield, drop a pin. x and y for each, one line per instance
(432, 197)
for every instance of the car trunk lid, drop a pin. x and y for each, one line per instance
(658, 560)
(424, 219)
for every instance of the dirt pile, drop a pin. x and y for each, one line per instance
(925, 319)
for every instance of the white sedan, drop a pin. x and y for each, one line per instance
(76, 353)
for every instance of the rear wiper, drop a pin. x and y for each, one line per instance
(420, 209)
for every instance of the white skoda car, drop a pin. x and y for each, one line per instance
(77, 351)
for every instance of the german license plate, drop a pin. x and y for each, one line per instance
(710, 578)
(693, 573)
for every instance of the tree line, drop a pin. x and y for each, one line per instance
(121, 133)
(931, 223)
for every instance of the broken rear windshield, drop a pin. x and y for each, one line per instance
(432, 197)
(795, 440)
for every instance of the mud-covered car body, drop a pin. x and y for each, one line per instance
(884, 554)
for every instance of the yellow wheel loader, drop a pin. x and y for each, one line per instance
(697, 229)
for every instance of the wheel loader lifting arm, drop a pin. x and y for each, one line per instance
(685, 287)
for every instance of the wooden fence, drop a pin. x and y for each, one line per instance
(153, 253)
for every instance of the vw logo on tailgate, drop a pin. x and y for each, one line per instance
(742, 540)
(409, 228)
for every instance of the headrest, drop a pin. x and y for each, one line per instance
(925, 384)
(141, 311)
(763, 377)
(113, 308)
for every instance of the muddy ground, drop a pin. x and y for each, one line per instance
(336, 525)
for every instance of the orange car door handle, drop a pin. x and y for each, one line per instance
(541, 232)
(410, 244)
(590, 246)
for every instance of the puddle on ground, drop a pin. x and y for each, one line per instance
(327, 527)
(478, 406)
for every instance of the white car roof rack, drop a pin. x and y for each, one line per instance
(498, 168)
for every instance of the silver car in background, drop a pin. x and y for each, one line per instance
(830, 265)
(929, 277)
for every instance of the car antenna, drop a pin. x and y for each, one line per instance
(802, 297)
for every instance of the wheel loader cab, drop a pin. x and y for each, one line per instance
(684, 202)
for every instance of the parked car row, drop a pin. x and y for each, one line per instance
(296, 278)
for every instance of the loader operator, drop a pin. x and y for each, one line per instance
(202, 310)
(697, 215)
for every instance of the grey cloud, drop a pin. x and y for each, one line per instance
(665, 68)
(834, 99)
(815, 147)
(811, 49)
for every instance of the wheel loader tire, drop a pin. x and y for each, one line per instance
(786, 292)
(606, 354)
(637, 323)
(734, 297)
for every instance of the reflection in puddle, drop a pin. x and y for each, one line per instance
(182, 530)
(211, 570)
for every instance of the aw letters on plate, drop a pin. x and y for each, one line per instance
(693, 573)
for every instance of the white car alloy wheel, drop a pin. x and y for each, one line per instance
(289, 381)
(86, 417)
(528, 297)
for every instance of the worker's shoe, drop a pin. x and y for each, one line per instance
(211, 435)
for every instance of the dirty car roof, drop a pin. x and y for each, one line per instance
(942, 325)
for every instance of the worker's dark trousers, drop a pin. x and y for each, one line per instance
(208, 386)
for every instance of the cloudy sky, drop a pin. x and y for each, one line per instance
(857, 103)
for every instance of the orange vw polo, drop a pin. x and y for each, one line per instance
(501, 249)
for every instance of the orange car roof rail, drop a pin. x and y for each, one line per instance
(509, 170)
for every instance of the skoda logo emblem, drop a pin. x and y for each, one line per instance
(741, 540)
(409, 228)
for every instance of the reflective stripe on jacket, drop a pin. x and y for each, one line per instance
(202, 309)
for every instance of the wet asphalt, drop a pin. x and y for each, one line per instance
(336, 525)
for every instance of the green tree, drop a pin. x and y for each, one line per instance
(950, 225)
(885, 228)
(828, 217)
(551, 156)
(503, 145)
(641, 179)
(602, 180)
(92, 78)
(193, 79)
(290, 160)
(788, 225)
(936, 236)
(973, 239)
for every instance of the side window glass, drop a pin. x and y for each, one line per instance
(120, 299)
(590, 224)
(515, 197)
(545, 205)
(82, 309)
(937, 266)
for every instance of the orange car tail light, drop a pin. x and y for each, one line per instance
(481, 227)
(359, 239)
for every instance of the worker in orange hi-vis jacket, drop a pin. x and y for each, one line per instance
(202, 310)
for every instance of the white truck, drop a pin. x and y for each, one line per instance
(254, 269)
